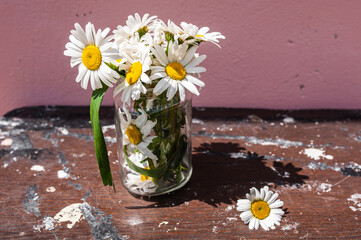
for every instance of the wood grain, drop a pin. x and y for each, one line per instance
(312, 161)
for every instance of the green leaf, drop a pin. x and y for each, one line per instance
(99, 142)
(154, 173)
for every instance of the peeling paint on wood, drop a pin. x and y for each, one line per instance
(232, 152)
(31, 201)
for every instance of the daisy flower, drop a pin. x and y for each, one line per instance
(136, 132)
(191, 34)
(135, 69)
(134, 25)
(136, 181)
(170, 28)
(134, 46)
(261, 208)
(175, 69)
(91, 50)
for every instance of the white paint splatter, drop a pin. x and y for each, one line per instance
(7, 142)
(50, 189)
(135, 221)
(316, 153)
(71, 213)
(324, 187)
(48, 223)
(215, 229)
(224, 127)
(11, 123)
(110, 139)
(37, 228)
(37, 168)
(276, 142)
(63, 131)
(106, 128)
(62, 174)
(74, 155)
(5, 165)
(163, 223)
(231, 219)
(229, 208)
(238, 155)
(290, 226)
(356, 199)
(315, 186)
(288, 120)
(197, 121)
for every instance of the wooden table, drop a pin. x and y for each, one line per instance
(50, 187)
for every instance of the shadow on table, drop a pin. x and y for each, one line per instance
(224, 172)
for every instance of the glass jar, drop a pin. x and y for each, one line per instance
(154, 143)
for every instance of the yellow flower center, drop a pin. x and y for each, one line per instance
(134, 73)
(119, 60)
(175, 70)
(133, 134)
(260, 209)
(199, 35)
(143, 177)
(91, 57)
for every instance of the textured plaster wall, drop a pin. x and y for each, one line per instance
(277, 54)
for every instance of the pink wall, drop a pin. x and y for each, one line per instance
(277, 54)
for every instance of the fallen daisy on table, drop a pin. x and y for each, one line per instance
(261, 208)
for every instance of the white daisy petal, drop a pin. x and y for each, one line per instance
(144, 77)
(143, 148)
(74, 62)
(141, 119)
(103, 79)
(157, 68)
(76, 42)
(88, 33)
(261, 208)
(190, 86)
(189, 55)
(162, 57)
(73, 47)
(181, 92)
(172, 90)
(72, 53)
(243, 204)
(246, 215)
(98, 84)
(79, 33)
(195, 81)
(277, 211)
(196, 70)
(264, 225)
(252, 223)
(196, 61)
(158, 75)
(84, 82)
(81, 73)
(256, 226)
(92, 80)
(147, 128)
(278, 203)
(272, 198)
(268, 195)
(161, 86)
(126, 94)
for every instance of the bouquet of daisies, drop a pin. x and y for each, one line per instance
(153, 66)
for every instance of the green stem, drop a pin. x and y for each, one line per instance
(99, 142)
